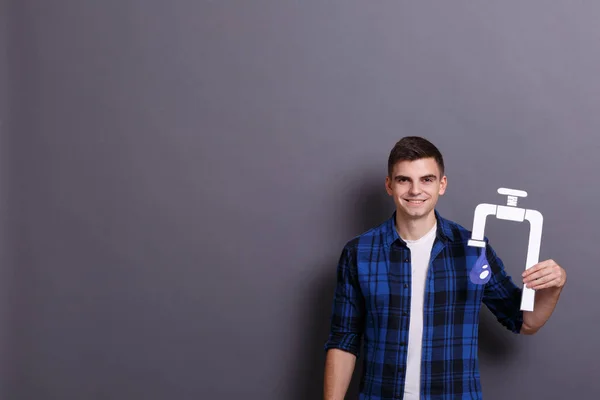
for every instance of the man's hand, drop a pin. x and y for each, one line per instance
(546, 274)
(550, 277)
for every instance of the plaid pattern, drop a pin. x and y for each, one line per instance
(372, 303)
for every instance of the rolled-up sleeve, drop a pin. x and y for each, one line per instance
(502, 297)
(348, 307)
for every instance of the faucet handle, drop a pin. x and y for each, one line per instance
(513, 195)
(512, 192)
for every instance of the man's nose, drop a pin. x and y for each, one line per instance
(415, 189)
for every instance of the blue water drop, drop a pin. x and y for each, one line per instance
(481, 272)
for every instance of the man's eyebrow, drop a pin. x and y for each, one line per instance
(429, 176)
(402, 177)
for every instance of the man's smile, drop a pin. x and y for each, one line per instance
(415, 201)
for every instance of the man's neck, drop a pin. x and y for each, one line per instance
(414, 229)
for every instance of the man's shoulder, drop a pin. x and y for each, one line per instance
(382, 234)
(377, 235)
(453, 229)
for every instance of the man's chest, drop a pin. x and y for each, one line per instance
(387, 278)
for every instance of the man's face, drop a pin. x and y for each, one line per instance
(416, 187)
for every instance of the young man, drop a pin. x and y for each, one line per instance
(404, 288)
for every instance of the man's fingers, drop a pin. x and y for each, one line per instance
(532, 270)
(537, 267)
(546, 285)
(536, 283)
(551, 276)
(537, 275)
(553, 280)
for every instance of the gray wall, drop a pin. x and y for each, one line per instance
(6, 265)
(183, 176)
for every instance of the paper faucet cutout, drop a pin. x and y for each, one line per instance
(481, 273)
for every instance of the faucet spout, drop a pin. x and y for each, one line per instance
(481, 213)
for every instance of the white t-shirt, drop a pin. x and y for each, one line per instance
(420, 251)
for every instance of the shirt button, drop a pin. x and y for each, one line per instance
(406, 259)
(406, 286)
(404, 314)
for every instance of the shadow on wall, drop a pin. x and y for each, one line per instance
(309, 383)
(497, 345)
(373, 206)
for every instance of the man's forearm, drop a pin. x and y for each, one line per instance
(547, 278)
(339, 367)
(545, 302)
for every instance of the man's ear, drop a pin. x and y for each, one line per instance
(443, 185)
(388, 185)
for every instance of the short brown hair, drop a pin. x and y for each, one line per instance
(411, 148)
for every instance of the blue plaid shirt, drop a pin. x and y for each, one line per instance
(372, 303)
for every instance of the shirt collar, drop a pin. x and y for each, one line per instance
(444, 231)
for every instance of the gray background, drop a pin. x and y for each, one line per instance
(178, 180)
